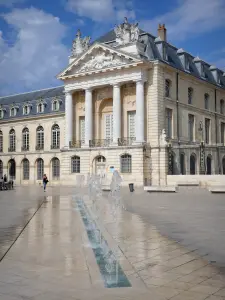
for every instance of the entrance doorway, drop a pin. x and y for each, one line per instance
(100, 166)
(192, 164)
(209, 165)
(12, 169)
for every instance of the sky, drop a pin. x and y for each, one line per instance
(36, 35)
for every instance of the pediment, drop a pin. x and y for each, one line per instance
(97, 59)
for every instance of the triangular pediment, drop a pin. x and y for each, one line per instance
(97, 59)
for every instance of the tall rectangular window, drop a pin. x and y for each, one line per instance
(207, 130)
(131, 122)
(222, 131)
(109, 127)
(169, 122)
(82, 130)
(191, 125)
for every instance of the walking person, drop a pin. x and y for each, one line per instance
(45, 181)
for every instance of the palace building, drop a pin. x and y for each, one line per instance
(130, 102)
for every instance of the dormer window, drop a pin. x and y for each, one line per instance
(26, 110)
(1, 113)
(40, 108)
(55, 105)
(13, 112)
(203, 71)
(187, 63)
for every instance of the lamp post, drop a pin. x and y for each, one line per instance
(202, 150)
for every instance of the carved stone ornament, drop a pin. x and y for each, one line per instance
(80, 44)
(163, 141)
(102, 60)
(126, 33)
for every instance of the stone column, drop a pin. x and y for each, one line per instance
(68, 118)
(88, 116)
(140, 112)
(116, 113)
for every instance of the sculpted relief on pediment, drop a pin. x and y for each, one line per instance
(100, 60)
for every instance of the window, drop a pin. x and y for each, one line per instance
(167, 88)
(40, 108)
(26, 110)
(1, 169)
(1, 141)
(75, 164)
(26, 169)
(25, 139)
(191, 123)
(40, 168)
(126, 163)
(55, 168)
(82, 130)
(13, 112)
(109, 127)
(55, 105)
(12, 140)
(206, 98)
(190, 95)
(169, 117)
(222, 132)
(55, 136)
(207, 130)
(222, 106)
(40, 138)
(131, 117)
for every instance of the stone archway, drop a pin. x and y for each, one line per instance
(12, 169)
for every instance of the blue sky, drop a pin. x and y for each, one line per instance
(36, 35)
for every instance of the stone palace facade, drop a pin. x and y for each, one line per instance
(130, 102)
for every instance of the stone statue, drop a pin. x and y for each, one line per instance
(163, 141)
(126, 33)
(80, 44)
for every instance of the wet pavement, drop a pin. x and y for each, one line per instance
(72, 250)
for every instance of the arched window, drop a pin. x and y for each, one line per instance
(1, 169)
(167, 88)
(126, 163)
(55, 137)
(55, 105)
(40, 168)
(12, 140)
(192, 164)
(101, 159)
(12, 169)
(182, 164)
(40, 138)
(190, 95)
(206, 99)
(26, 169)
(1, 141)
(55, 168)
(26, 109)
(25, 139)
(75, 164)
(222, 106)
(40, 108)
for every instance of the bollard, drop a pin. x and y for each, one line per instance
(131, 187)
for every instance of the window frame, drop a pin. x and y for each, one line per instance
(26, 169)
(190, 95)
(55, 168)
(206, 101)
(40, 168)
(12, 140)
(75, 164)
(55, 135)
(126, 164)
(167, 87)
(40, 136)
(1, 141)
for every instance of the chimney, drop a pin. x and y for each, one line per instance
(162, 32)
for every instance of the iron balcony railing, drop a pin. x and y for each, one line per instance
(39, 147)
(76, 144)
(100, 143)
(55, 146)
(12, 149)
(25, 148)
(128, 141)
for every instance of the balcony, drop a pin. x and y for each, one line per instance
(128, 141)
(12, 149)
(76, 144)
(100, 143)
(39, 147)
(55, 147)
(25, 148)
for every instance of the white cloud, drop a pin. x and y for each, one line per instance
(190, 17)
(9, 3)
(36, 56)
(101, 10)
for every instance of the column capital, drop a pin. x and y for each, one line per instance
(89, 89)
(140, 81)
(68, 92)
(116, 84)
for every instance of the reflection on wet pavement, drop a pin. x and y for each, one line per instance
(53, 259)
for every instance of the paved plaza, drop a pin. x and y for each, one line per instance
(50, 248)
